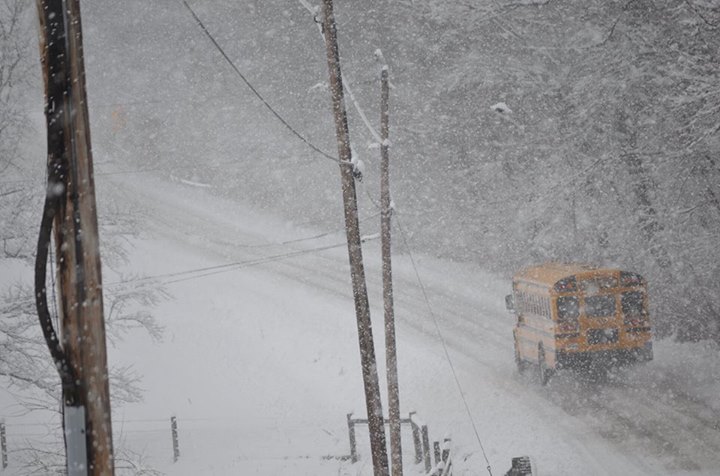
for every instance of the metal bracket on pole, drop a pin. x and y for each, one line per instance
(76, 441)
(351, 433)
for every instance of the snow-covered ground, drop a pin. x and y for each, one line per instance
(260, 360)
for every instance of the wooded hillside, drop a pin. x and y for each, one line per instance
(608, 152)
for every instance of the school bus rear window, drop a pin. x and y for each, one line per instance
(600, 306)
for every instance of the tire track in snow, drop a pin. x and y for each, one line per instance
(681, 434)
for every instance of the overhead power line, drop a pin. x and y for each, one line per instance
(196, 273)
(209, 271)
(255, 91)
(423, 290)
(444, 345)
(346, 80)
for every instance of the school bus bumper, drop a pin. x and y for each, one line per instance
(567, 358)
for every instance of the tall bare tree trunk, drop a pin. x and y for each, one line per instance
(650, 227)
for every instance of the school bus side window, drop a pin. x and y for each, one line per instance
(568, 307)
(518, 303)
(632, 303)
(531, 304)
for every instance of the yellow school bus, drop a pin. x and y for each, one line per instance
(571, 315)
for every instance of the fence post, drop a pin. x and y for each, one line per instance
(416, 438)
(174, 430)
(446, 450)
(3, 445)
(351, 435)
(446, 460)
(426, 448)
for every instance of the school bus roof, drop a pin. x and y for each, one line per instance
(550, 273)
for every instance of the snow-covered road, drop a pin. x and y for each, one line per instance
(260, 361)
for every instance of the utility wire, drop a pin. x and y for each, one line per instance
(444, 344)
(244, 264)
(346, 79)
(437, 329)
(321, 235)
(195, 273)
(55, 316)
(255, 91)
(57, 116)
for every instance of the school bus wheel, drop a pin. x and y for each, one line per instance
(543, 371)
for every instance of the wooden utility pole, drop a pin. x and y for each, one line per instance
(76, 229)
(390, 342)
(376, 423)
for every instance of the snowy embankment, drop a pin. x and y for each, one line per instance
(260, 360)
